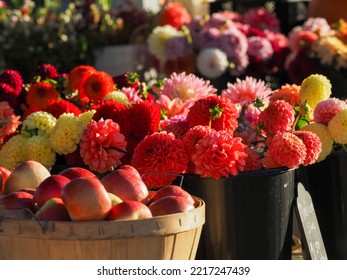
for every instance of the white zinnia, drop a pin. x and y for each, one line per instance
(212, 62)
(157, 41)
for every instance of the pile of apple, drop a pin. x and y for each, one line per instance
(30, 191)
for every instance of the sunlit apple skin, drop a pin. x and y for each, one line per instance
(86, 199)
(53, 210)
(129, 210)
(27, 174)
(127, 184)
(17, 205)
(77, 172)
(4, 174)
(51, 187)
(169, 191)
(114, 199)
(170, 205)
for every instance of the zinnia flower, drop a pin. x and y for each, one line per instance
(278, 116)
(262, 19)
(7, 93)
(39, 149)
(38, 123)
(219, 154)
(78, 74)
(96, 86)
(287, 149)
(217, 112)
(41, 94)
(252, 160)
(60, 106)
(9, 121)
(314, 89)
(46, 71)
(174, 14)
(66, 134)
(160, 155)
(247, 90)
(13, 152)
(13, 78)
(288, 93)
(338, 127)
(178, 127)
(324, 136)
(327, 109)
(313, 145)
(117, 96)
(102, 145)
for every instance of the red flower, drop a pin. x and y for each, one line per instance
(13, 78)
(287, 149)
(128, 79)
(252, 160)
(96, 86)
(7, 93)
(161, 154)
(278, 116)
(46, 71)
(219, 154)
(41, 94)
(78, 74)
(174, 14)
(215, 111)
(313, 145)
(102, 145)
(60, 106)
(110, 109)
(178, 128)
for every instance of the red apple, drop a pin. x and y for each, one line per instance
(86, 199)
(4, 174)
(170, 205)
(27, 174)
(129, 210)
(53, 210)
(18, 205)
(169, 191)
(126, 183)
(49, 188)
(77, 172)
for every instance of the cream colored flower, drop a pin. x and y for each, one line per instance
(212, 62)
(38, 148)
(38, 123)
(118, 96)
(66, 134)
(86, 117)
(338, 127)
(12, 152)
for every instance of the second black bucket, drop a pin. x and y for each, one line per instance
(248, 216)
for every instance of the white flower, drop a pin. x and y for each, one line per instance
(157, 41)
(212, 62)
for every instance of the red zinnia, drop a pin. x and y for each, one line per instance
(41, 94)
(215, 111)
(102, 145)
(78, 74)
(46, 71)
(219, 154)
(174, 14)
(313, 145)
(60, 106)
(157, 157)
(96, 86)
(278, 116)
(12, 78)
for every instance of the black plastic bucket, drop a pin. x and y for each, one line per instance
(248, 216)
(326, 182)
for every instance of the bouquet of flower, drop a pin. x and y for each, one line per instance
(179, 125)
(240, 45)
(317, 47)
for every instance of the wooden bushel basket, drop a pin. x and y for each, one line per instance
(174, 236)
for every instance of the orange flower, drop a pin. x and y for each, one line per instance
(78, 74)
(287, 92)
(96, 86)
(8, 120)
(41, 94)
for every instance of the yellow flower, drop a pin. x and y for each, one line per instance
(118, 96)
(38, 123)
(66, 134)
(338, 127)
(327, 141)
(12, 152)
(314, 89)
(38, 148)
(86, 117)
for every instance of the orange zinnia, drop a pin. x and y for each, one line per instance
(41, 94)
(97, 86)
(79, 74)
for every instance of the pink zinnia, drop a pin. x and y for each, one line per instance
(178, 127)
(102, 145)
(219, 154)
(313, 145)
(287, 149)
(278, 116)
(252, 160)
(259, 49)
(8, 120)
(287, 92)
(204, 112)
(327, 109)
(157, 157)
(247, 90)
